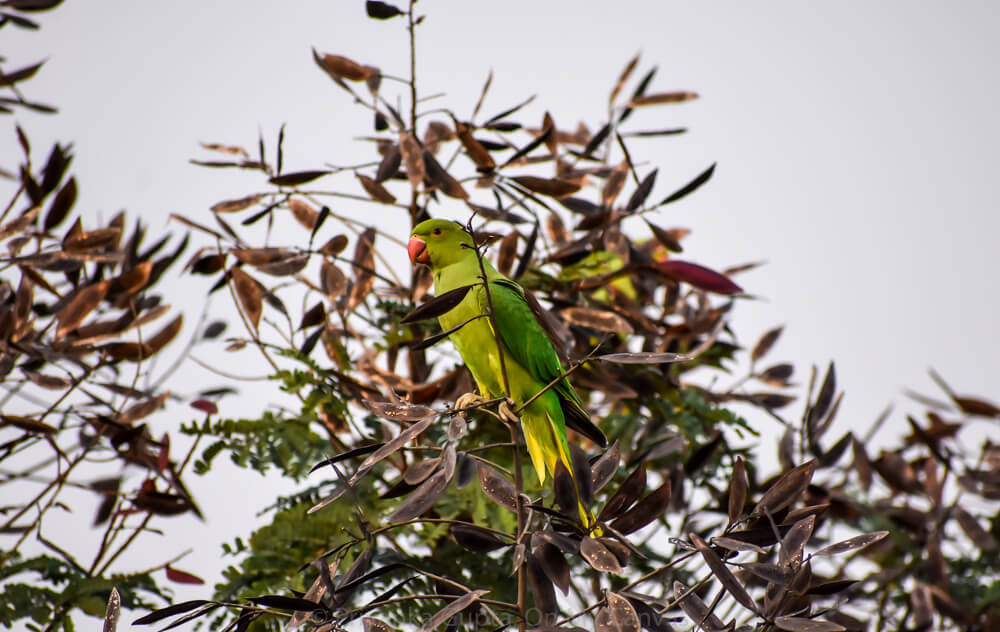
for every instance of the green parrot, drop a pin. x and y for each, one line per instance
(530, 360)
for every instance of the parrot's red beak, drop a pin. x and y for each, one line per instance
(417, 249)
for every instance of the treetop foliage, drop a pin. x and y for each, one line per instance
(411, 513)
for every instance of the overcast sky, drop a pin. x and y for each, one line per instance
(857, 144)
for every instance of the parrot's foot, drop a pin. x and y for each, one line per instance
(507, 412)
(469, 399)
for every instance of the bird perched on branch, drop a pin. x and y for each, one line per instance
(529, 359)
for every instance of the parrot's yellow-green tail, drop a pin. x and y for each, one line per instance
(546, 450)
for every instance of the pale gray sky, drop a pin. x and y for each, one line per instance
(857, 145)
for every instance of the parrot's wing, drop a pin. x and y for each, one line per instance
(520, 332)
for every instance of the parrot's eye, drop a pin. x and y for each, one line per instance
(436, 231)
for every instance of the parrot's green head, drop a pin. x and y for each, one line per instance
(439, 243)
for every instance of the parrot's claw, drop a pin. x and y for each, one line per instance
(469, 399)
(507, 412)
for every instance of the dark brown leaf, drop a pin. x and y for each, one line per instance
(364, 268)
(666, 237)
(596, 140)
(496, 486)
(831, 587)
(163, 337)
(554, 565)
(690, 187)
(390, 164)
(650, 508)
(622, 78)
(390, 447)
(597, 319)
(161, 503)
(581, 206)
(413, 159)
(801, 624)
(861, 464)
(475, 150)
(126, 351)
(552, 142)
(976, 406)
(836, 451)
(28, 424)
(232, 206)
(795, 540)
(696, 609)
(544, 595)
(723, 574)
(424, 497)
(61, 205)
(20, 223)
(786, 490)
(617, 616)
(303, 213)
(334, 246)
(372, 624)
(285, 266)
(401, 411)
(297, 178)
(626, 495)
(132, 281)
(248, 292)
(662, 98)
(771, 573)
(645, 357)
(765, 343)
(10, 78)
(975, 531)
(527, 149)
(113, 611)
(605, 467)
(777, 375)
(209, 264)
(360, 451)
(375, 189)
(771, 401)
(438, 305)
(564, 489)
(24, 298)
(332, 280)
(452, 609)
(737, 491)
(851, 544)
(92, 240)
(282, 602)
(442, 179)
(169, 611)
(84, 302)
(341, 67)
(641, 192)
(475, 539)
(142, 409)
(381, 11)
(614, 184)
(556, 230)
(507, 253)
(823, 400)
(552, 187)
(315, 315)
(430, 341)
(655, 132)
(734, 544)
